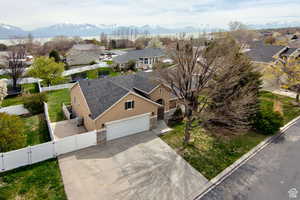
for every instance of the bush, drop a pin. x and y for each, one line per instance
(177, 117)
(93, 63)
(11, 132)
(268, 122)
(35, 103)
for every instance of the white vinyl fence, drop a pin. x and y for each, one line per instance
(56, 87)
(34, 154)
(84, 68)
(46, 112)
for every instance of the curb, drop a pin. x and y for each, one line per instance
(229, 170)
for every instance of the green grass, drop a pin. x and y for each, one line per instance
(4, 76)
(55, 101)
(39, 181)
(36, 129)
(210, 154)
(289, 108)
(93, 74)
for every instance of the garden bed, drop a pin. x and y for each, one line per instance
(211, 153)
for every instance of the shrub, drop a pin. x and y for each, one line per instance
(177, 117)
(35, 103)
(11, 132)
(93, 63)
(268, 121)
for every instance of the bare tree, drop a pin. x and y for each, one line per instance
(242, 33)
(195, 67)
(15, 63)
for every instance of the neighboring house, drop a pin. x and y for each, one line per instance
(259, 52)
(289, 53)
(122, 105)
(84, 54)
(145, 58)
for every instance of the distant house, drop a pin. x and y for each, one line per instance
(83, 54)
(262, 53)
(145, 58)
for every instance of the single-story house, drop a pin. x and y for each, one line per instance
(122, 105)
(261, 53)
(84, 54)
(145, 58)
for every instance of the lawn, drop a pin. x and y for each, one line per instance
(93, 74)
(210, 154)
(55, 101)
(39, 181)
(36, 129)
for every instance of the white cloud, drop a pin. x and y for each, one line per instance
(139, 12)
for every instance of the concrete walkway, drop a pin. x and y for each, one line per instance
(138, 167)
(272, 174)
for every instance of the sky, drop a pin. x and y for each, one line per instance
(170, 13)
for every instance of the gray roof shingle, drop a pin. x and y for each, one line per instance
(101, 94)
(263, 53)
(136, 54)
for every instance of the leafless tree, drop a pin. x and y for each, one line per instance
(195, 67)
(15, 63)
(242, 33)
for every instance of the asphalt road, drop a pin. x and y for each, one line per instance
(272, 174)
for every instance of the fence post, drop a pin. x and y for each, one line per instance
(29, 155)
(2, 160)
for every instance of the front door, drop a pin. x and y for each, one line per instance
(161, 110)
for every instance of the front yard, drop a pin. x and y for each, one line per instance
(39, 181)
(210, 154)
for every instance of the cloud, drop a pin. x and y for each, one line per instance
(216, 13)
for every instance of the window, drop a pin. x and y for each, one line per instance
(129, 105)
(146, 61)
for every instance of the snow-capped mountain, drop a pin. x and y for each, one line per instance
(86, 30)
(67, 29)
(275, 24)
(9, 31)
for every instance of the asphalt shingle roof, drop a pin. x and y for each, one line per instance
(136, 54)
(101, 94)
(263, 53)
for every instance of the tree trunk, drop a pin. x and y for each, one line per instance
(297, 98)
(15, 84)
(187, 134)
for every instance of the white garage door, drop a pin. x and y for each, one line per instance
(129, 126)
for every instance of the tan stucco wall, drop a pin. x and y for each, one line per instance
(141, 106)
(165, 94)
(80, 107)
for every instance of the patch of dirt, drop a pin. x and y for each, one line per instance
(277, 106)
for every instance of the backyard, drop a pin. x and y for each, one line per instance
(96, 73)
(55, 101)
(211, 153)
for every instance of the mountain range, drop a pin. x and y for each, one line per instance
(86, 30)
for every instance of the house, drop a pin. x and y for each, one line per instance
(259, 52)
(289, 53)
(145, 58)
(84, 54)
(122, 105)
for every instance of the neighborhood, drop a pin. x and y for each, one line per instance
(209, 117)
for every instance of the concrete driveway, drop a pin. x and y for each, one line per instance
(138, 167)
(272, 174)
